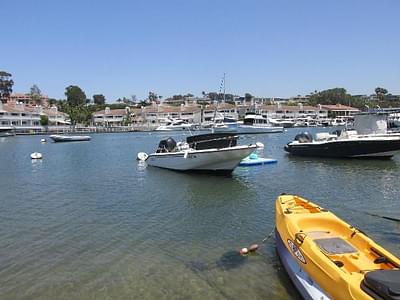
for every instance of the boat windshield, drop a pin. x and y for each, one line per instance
(211, 141)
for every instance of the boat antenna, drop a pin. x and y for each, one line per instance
(222, 86)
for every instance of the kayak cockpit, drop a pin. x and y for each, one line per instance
(382, 284)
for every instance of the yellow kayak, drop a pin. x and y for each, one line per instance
(327, 258)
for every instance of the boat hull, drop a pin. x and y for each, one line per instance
(248, 129)
(303, 282)
(384, 148)
(219, 160)
(65, 138)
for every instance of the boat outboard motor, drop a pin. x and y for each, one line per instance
(304, 137)
(167, 145)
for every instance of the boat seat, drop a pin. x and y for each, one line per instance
(334, 246)
(382, 284)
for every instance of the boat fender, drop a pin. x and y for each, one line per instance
(253, 248)
(244, 251)
(186, 154)
(260, 145)
(142, 156)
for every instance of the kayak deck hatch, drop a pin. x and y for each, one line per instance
(334, 245)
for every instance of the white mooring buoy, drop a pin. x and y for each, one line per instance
(36, 155)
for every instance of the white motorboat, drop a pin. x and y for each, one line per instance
(6, 131)
(285, 123)
(69, 138)
(216, 152)
(225, 124)
(255, 123)
(338, 122)
(174, 125)
(368, 138)
(348, 144)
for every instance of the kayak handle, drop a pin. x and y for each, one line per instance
(299, 237)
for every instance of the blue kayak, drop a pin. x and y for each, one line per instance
(254, 160)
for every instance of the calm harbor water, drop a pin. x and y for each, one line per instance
(89, 222)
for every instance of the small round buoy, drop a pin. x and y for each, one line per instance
(43, 140)
(36, 155)
(243, 251)
(253, 248)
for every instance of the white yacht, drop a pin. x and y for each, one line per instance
(216, 152)
(256, 123)
(174, 125)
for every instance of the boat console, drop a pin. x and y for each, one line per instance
(211, 141)
(304, 137)
(167, 145)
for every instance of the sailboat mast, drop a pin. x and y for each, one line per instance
(224, 87)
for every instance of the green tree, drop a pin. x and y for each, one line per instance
(78, 114)
(44, 120)
(99, 99)
(75, 95)
(380, 93)
(248, 97)
(213, 96)
(331, 96)
(6, 84)
(35, 94)
(152, 96)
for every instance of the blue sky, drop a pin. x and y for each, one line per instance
(267, 48)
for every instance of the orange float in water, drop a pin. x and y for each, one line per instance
(253, 248)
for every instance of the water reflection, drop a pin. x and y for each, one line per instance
(124, 230)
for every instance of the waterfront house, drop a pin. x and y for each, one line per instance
(156, 114)
(27, 99)
(21, 116)
(280, 111)
(112, 117)
(340, 110)
(225, 109)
